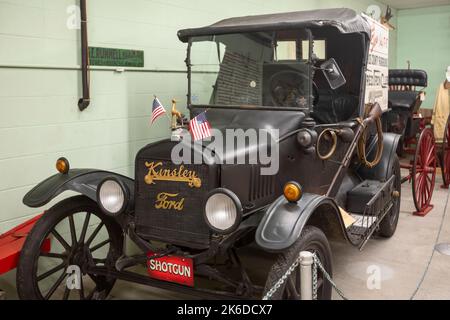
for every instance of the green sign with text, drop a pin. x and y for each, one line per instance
(115, 57)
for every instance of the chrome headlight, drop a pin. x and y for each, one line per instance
(112, 196)
(223, 211)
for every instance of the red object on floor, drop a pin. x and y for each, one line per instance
(424, 212)
(11, 244)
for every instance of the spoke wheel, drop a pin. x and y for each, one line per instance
(446, 155)
(81, 237)
(424, 171)
(313, 240)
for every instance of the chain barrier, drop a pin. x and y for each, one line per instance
(315, 266)
(282, 280)
(314, 278)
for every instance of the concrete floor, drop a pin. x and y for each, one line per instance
(403, 259)
(399, 263)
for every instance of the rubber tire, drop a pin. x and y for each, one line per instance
(27, 288)
(310, 236)
(389, 224)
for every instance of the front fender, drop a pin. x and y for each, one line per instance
(84, 181)
(283, 221)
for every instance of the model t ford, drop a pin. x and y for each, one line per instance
(302, 74)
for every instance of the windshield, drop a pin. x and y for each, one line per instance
(254, 69)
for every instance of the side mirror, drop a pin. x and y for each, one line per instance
(333, 74)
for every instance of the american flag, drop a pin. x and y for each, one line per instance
(157, 109)
(199, 127)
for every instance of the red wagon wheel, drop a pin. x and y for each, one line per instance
(424, 172)
(446, 155)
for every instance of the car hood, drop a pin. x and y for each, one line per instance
(218, 150)
(250, 123)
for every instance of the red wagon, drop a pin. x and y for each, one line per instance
(418, 145)
(11, 244)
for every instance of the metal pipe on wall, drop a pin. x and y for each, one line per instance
(84, 102)
(97, 68)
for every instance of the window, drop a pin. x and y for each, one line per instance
(286, 50)
(320, 49)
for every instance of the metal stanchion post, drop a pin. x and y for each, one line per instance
(306, 261)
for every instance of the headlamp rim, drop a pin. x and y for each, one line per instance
(239, 210)
(126, 194)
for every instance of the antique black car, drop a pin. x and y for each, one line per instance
(300, 73)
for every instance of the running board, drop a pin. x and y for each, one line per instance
(375, 226)
(363, 222)
(364, 227)
(366, 223)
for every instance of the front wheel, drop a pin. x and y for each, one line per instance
(312, 239)
(81, 236)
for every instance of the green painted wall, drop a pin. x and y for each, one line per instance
(39, 118)
(424, 39)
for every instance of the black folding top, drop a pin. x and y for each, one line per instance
(406, 99)
(345, 20)
(408, 77)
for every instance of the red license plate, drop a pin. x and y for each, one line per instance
(171, 268)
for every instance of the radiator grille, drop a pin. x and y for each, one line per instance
(156, 220)
(260, 186)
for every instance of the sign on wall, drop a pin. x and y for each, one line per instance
(377, 75)
(115, 57)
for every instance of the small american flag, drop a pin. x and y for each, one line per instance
(157, 109)
(199, 127)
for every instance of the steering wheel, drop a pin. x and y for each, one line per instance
(288, 89)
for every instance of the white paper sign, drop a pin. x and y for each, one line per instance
(377, 75)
